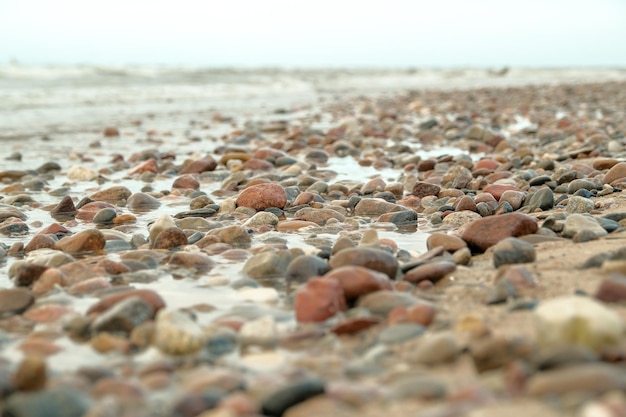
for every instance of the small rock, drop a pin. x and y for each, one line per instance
(381, 303)
(433, 271)
(400, 333)
(450, 243)
(277, 403)
(318, 300)
(186, 182)
(80, 173)
(578, 223)
(141, 202)
(435, 349)
(357, 281)
(610, 290)
(90, 240)
(318, 216)
(124, 316)
(31, 374)
(542, 199)
(58, 402)
(267, 264)
(419, 386)
(112, 195)
(577, 204)
(595, 378)
(577, 320)
(65, 208)
(149, 296)
(261, 332)
(375, 259)
(199, 262)
(177, 333)
(15, 300)
(423, 189)
(263, 196)
(513, 251)
(486, 232)
(304, 267)
(201, 165)
(617, 172)
(170, 238)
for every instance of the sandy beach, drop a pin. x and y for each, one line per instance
(239, 242)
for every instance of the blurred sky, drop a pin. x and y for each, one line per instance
(390, 33)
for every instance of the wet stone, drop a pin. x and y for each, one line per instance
(617, 172)
(15, 300)
(199, 262)
(357, 281)
(124, 316)
(400, 333)
(201, 165)
(263, 196)
(433, 271)
(65, 208)
(513, 251)
(582, 379)
(318, 300)
(486, 232)
(375, 259)
(277, 403)
(26, 274)
(177, 333)
(611, 290)
(399, 218)
(304, 267)
(375, 207)
(235, 235)
(58, 402)
(380, 303)
(318, 216)
(420, 386)
(105, 216)
(149, 296)
(267, 264)
(112, 195)
(142, 202)
(170, 238)
(450, 243)
(31, 374)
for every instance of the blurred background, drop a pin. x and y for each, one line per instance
(324, 33)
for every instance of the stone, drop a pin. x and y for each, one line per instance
(234, 235)
(262, 218)
(149, 165)
(577, 204)
(375, 207)
(31, 374)
(15, 300)
(486, 232)
(25, 274)
(304, 267)
(186, 182)
(197, 261)
(261, 332)
(199, 166)
(375, 259)
(169, 238)
(435, 349)
(400, 333)
(433, 271)
(278, 402)
(357, 281)
(124, 316)
(262, 196)
(80, 173)
(6, 212)
(318, 300)
(450, 243)
(318, 216)
(399, 218)
(112, 195)
(498, 190)
(177, 333)
(423, 189)
(611, 290)
(65, 208)
(465, 203)
(459, 219)
(381, 303)
(456, 177)
(40, 241)
(542, 199)
(57, 402)
(104, 216)
(513, 197)
(577, 320)
(589, 379)
(418, 386)
(578, 223)
(616, 173)
(513, 251)
(86, 241)
(197, 404)
(151, 297)
(89, 210)
(142, 202)
(111, 131)
(269, 264)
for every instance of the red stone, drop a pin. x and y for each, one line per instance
(319, 300)
(262, 196)
(148, 165)
(354, 325)
(187, 182)
(201, 165)
(357, 280)
(486, 232)
(496, 190)
(89, 210)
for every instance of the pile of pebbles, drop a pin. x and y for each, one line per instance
(517, 302)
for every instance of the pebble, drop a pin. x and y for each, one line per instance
(486, 232)
(199, 166)
(279, 402)
(449, 242)
(375, 259)
(142, 202)
(169, 238)
(271, 264)
(423, 189)
(318, 216)
(615, 173)
(577, 320)
(318, 300)
(15, 300)
(581, 223)
(64, 209)
(177, 333)
(435, 349)
(578, 204)
(149, 296)
(124, 316)
(112, 195)
(261, 332)
(80, 173)
(304, 267)
(400, 333)
(542, 199)
(375, 207)
(381, 303)
(186, 182)
(58, 402)
(611, 290)
(31, 374)
(512, 251)
(357, 281)
(263, 196)
(433, 271)
(596, 378)
(418, 386)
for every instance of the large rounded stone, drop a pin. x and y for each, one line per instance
(112, 195)
(263, 196)
(486, 232)
(90, 240)
(357, 280)
(318, 300)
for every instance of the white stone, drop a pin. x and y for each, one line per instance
(80, 173)
(260, 332)
(577, 320)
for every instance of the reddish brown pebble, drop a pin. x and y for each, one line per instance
(617, 172)
(496, 190)
(89, 210)
(15, 300)
(319, 300)
(90, 240)
(170, 238)
(423, 189)
(486, 232)
(31, 374)
(111, 131)
(263, 196)
(357, 281)
(187, 182)
(149, 165)
(354, 325)
(450, 243)
(26, 274)
(40, 241)
(433, 271)
(112, 195)
(376, 259)
(201, 165)
(149, 296)
(64, 208)
(46, 313)
(612, 289)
